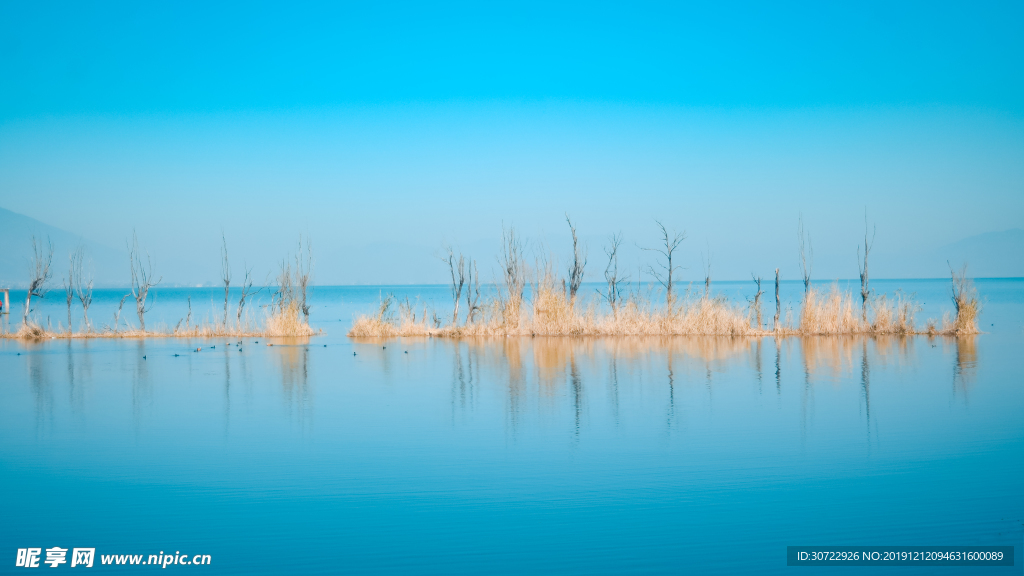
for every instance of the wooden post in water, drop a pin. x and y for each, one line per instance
(778, 303)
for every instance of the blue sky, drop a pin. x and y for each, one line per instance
(385, 131)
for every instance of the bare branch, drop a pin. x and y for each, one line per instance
(40, 273)
(142, 279)
(225, 271)
(778, 302)
(672, 241)
(82, 284)
(613, 295)
(457, 268)
(755, 304)
(806, 253)
(865, 291)
(579, 261)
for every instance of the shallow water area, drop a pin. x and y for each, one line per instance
(513, 455)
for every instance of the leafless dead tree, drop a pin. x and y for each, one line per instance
(513, 270)
(707, 273)
(613, 294)
(69, 286)
(579, 262)
(39, 271)
(246, 293)
(472, 291)
(284, 296)
(664, 276)
(117, 315)
(142, 279)
(756, 302)
(865, 290)
(806, 253)
(303, 276)
(457, 268)
(225, 272)
(82, 284)
(778, 302)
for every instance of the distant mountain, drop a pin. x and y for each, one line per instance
(108, 267)
(989, 255)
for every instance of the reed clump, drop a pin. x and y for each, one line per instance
(966, 304)
(554, 307)
(286, 315)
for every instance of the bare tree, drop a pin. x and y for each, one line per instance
(472, 291)
(707, 273)
(284, 296)
(756, 302)
(865, 290)
(457, 268)
(806, 253)
(142, 279)
(513, 270)
(613, 294)
(579, 262)
(225, 272)
(69, 286)
(303, 276)
(246, 293)
(83, 285)
(778, 302)
(117, 315)
(39, 270)
(664, 276)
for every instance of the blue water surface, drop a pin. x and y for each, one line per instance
(510, 455)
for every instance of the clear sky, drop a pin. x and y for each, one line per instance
(386, 130)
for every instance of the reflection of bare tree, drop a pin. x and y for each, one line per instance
(79, 372)
(671, 416)
(966, 368)
(69, 359)
(577, 391)
(141, 386)
(463, 378)
(227, 375)
(553, 368)
(39, 381)
(778, 366)
(293, 356)
(865, 384)
(757, 364)
(613, 381)
(516, 386)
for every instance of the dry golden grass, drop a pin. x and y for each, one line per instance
(965, 301)
(551, 313)
(278, 321)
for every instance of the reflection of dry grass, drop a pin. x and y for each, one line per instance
(833, 354)
(966, 360)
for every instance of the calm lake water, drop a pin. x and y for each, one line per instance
(510, 455)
